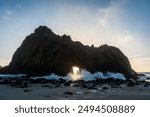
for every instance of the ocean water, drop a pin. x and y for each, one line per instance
(83, 75)
(147, 74)
(146, 77)
(12, 75)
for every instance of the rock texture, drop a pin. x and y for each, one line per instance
(44, 52)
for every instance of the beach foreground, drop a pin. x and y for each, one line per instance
(47, 91)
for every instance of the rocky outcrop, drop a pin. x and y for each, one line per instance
(44, 52)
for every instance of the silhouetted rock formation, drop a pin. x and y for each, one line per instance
(44, 52)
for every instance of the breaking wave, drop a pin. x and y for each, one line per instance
(83, 75)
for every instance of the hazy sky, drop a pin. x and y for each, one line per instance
(121, 23)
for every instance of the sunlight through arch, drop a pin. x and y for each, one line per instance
(75, 73)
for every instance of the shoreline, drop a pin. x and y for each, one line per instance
(80, 90)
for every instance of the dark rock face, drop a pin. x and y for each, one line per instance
(131, 83)
(44, 52)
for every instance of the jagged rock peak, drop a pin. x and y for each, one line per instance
(43, 29)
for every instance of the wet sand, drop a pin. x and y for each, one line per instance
(38, 92)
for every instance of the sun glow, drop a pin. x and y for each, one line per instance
(75, 70)
(75, 73)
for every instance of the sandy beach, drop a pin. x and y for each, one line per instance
(48, 92)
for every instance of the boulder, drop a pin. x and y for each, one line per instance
(68, 93)
(27, 90)
(131, 83)
(44, 52)
(145, 85)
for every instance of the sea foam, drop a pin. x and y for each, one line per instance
(84, 75)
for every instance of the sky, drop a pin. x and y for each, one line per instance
(121, 23)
